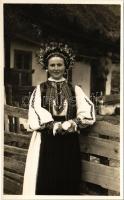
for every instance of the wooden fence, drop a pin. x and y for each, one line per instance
(99, 154)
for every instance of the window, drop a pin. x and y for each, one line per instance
(23, 66)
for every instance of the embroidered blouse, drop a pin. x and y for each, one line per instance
(39, 115)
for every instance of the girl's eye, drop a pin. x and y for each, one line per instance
(59, 65)
(52, 65)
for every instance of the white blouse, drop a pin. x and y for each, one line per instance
(38, 115)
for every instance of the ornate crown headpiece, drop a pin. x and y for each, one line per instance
(51, 49)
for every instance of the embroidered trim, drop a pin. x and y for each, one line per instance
(79, 123)
(32, 105)
(91, 112)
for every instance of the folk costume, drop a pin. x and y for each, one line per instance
(53, 164)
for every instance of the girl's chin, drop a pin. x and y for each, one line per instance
(57, 77)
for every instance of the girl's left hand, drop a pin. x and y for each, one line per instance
(69, 126)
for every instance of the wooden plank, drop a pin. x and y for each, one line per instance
(17, 122)
(99, 146)
(6, 122)
(106, 128)
(114, 163)
(12, 186)
(100, 169)
(13, 176)
(113, 119)
(16, 112)
(17, 125)
(105, 176)
(15, 150)
(14, 137)
(17, 153)
(14, 165)
(11, 124)
(111, 99)
(108, 183)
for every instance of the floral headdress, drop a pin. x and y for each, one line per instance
(51, 49)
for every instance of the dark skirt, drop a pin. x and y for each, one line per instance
(59, 165)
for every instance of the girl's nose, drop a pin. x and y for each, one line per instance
(56, 67)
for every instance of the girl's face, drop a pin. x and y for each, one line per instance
(56, 67)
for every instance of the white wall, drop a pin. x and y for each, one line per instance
(108, 83)
(113, 67)
(39, 75)
(81, 75)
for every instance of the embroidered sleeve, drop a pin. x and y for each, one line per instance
(85, 108)
(37, 115)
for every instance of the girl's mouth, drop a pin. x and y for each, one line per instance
(56, 72)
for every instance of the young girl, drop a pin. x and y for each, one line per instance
(57, 112)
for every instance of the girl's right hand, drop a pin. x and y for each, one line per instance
(57, 128)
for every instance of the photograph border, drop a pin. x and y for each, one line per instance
(26, 197)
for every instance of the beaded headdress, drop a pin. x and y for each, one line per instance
(51, 49)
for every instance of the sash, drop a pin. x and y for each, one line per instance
(31, 168)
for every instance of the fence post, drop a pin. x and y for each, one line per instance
(9, 101)
(6, 122)
(17, 123)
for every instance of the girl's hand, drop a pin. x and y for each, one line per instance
(69, 126)
(66, 125)
(57, 128)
